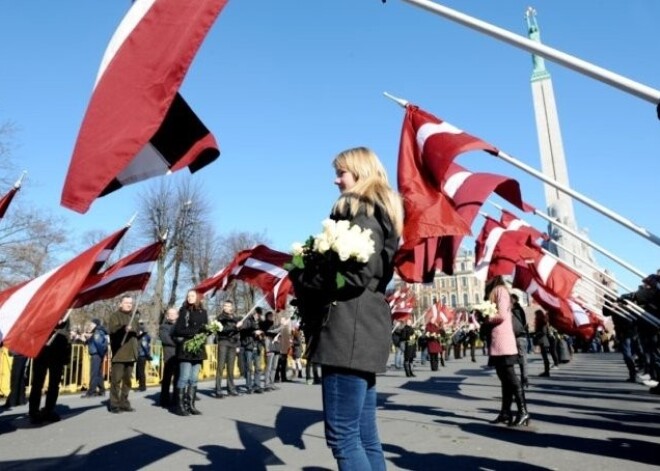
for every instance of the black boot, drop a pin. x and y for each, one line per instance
(406, 367)
(523, 416)
(505, 412)
(192, 397)
(181, 407)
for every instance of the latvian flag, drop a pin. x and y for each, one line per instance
(30, 311)
(137, 126)
(131, 273)
(262, 267)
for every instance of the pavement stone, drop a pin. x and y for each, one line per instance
(584, 417)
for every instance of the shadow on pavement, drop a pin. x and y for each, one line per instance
(291, 423)
(414, 461)
(129, 454)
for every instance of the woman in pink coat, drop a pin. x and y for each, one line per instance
(503, 354)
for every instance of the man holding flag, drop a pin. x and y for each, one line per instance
(123, 327)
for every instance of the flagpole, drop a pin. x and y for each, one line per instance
(569, 191)
(631, 306)
(254, 306)
(590, 243)
(130, 322)
(19, 182)
(578, 196)
(603, 75)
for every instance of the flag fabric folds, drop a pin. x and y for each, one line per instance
(261, 267)
(554, 275)
(30, 311)
(426, 150)
(511, 222)
(402, 303)
(468, 191)
(498, 250)
(137, 125)
(131, 273)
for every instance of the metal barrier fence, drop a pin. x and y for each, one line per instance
(76, 375)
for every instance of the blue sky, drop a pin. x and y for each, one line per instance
(286, 85)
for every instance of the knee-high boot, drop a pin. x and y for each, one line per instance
(192, 397)
(407, 369)
(505, 412)
(523, 416)
(181, 403)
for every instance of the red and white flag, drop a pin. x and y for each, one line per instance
(137, 126)
(511, 222)
(427, 148)
(402, 303)
(261, 267)
(30, 311)
(468, 191)
(6, 200)
(498, 250)
(131, 273)
(554, 275)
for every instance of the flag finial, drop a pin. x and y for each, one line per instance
(403, 103)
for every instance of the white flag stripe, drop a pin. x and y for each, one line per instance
(516, 224)
(455, 182)
(124, 272)
(427, 130)
(127, 25)
(581, 317)
(149, 162)
(13, 307)
(481, 269)
(274, 270)
(545, 267)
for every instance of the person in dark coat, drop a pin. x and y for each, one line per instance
(144, 356)
(228, 341)
(409, 336)
(49, 361)
(97, 347)
(192, 320)
(433, 344)
(170, 363)
(122, 326)
(17, 382)
(521, 331)
(541, 338)
(350, 334)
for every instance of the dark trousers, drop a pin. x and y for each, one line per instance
(511, 389)
(546, 361)
(41, 365)
(96, 383)
(141, 373)
(434, 361)
(281, 368)
(121, 376)
(17, 382)
(170, 376)
(314, 369)
(226, 359)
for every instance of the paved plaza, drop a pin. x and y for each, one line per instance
(584, 417)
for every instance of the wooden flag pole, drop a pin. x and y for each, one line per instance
(603, 75)
(582, 238)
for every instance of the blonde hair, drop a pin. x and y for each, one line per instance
(371, 186)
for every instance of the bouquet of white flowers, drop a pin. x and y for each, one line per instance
(339, 243)
(486, 308)
(195, 344)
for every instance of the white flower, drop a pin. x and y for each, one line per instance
(487, 308)
(297, 248)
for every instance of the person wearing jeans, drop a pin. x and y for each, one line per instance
(350, 327)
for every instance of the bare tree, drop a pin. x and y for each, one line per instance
(180, 211)
(29, 241)
(7, 168)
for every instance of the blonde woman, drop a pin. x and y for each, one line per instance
(350, 328)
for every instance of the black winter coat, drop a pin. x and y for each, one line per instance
(351, 327)
(191, 321)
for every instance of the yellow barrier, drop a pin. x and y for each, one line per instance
(76, 372)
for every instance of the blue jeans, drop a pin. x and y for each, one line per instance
(398, 355)
(252, 362)
(188, 373)
(96, 375)
(349, 410)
